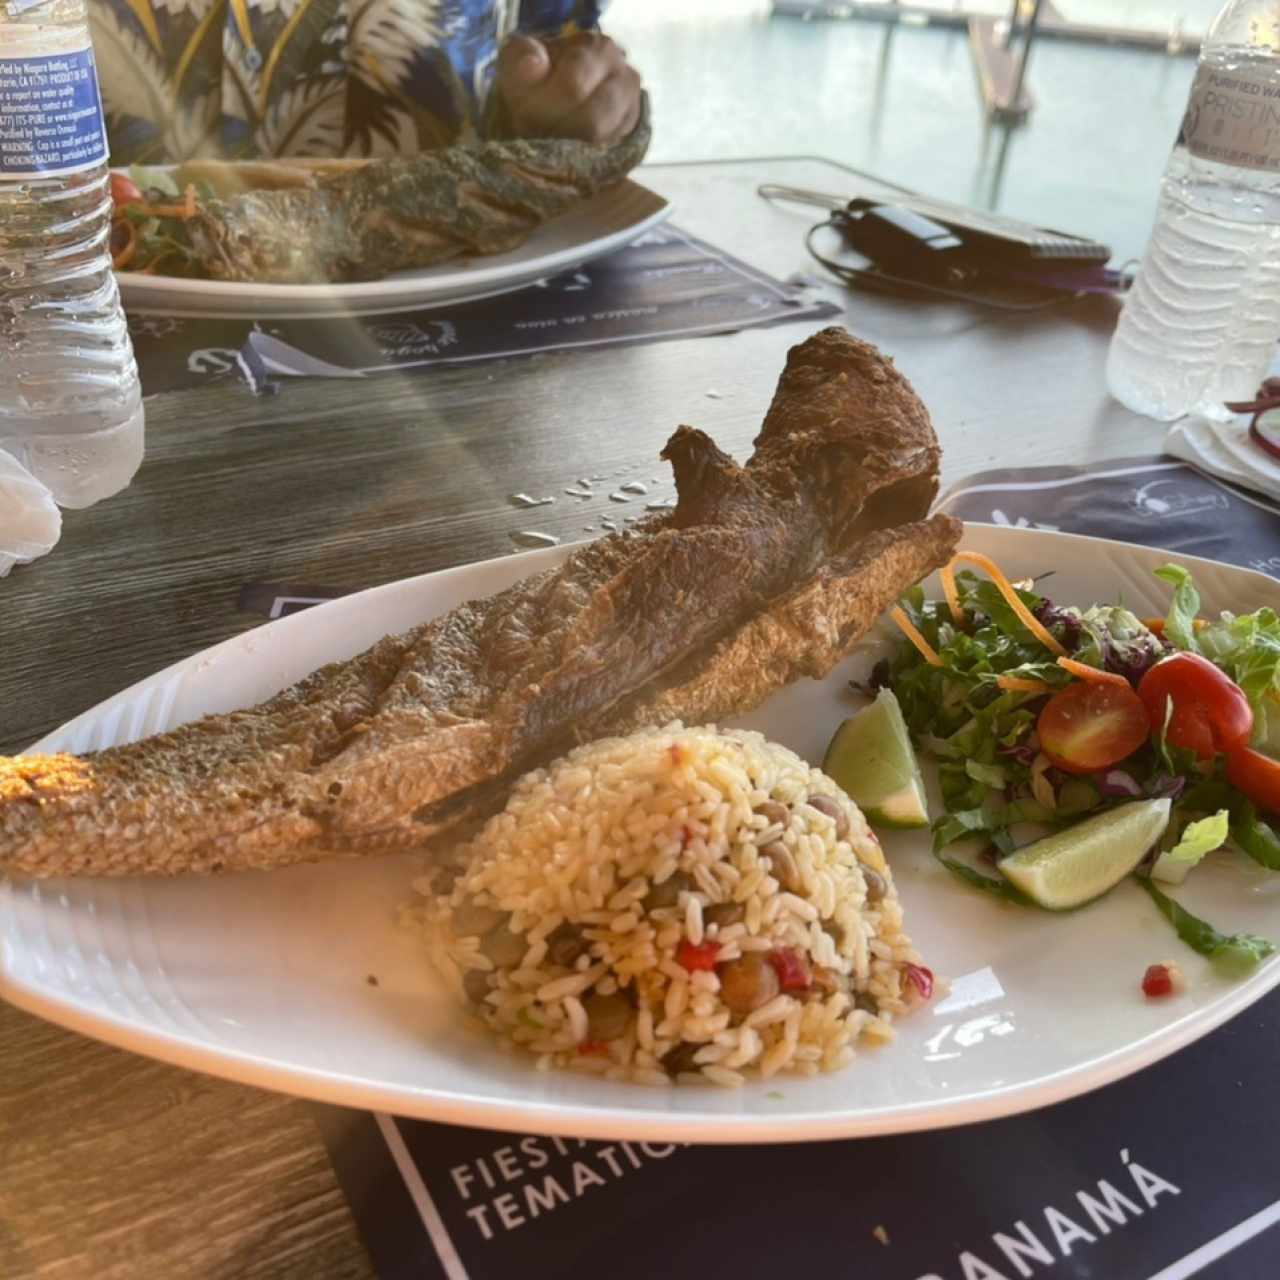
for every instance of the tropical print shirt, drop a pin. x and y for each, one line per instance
(246, 78)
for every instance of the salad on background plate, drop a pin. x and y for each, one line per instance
(150, 211)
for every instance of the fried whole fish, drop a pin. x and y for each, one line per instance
(759, 575)
(803, 634)
(401, 212)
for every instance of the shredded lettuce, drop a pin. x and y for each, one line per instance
(1179, 623)
(155, 178)
(1257, 838)
(1236, 952)
(1247, 648)
(998, 886)
(1197, 839)
(991, 775)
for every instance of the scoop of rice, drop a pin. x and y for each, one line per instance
(691, 904)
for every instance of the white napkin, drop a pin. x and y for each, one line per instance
(1224, 449)
(30, 522)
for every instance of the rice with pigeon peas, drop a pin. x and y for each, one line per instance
(692, 904)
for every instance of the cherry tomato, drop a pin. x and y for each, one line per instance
(1090, 726)
(1258, 776)
(124, 190)
(1210, 711)
(1189, 727)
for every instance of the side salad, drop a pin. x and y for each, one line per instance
(148, 222)
(1044, 718)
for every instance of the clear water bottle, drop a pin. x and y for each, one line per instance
(70, 404)
(1201, 322)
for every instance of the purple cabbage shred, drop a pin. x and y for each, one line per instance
(877, 680)
(1131, 658)
(1117, 782)
(1067, 624)
(1023, 752)
(1166, 786)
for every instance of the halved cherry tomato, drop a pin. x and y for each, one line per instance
(1090, 726)
(124, 190)
(1258, 776)
(1210, 711)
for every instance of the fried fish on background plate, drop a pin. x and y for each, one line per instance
(364, 221)
(230, 178)
(761, 574)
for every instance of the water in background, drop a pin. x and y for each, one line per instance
(728, 80)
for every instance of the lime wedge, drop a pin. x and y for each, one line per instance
(1072, 867)
(871, 758)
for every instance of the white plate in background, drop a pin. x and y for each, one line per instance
(600, 225)
(263, 977)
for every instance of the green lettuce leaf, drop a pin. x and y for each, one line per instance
(1257, 838)
(991, 775)
(1197, 839)
(1247, 648)
(151, 178)
(1000, 887)
(1236, 952)
(1179, 623)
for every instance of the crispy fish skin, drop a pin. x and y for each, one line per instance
(361, 754)
(393, 214)
(829, 379)
(804, 634)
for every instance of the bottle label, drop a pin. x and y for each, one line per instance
(50, 115)
(1233, 117)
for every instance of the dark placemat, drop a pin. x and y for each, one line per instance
(668, 284)
(1142, 1180)
(1155, 502)
(1170, 1173)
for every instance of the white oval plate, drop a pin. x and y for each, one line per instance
(598, 226)
(264, 977)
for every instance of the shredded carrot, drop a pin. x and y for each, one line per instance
(1086, 672)
(124, 256)
(948, 576)
(1157, 624)
(909, 630)
(1021, 684)
(1025, 616)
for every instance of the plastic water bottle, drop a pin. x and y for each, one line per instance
(70, 404)
(1202, 319)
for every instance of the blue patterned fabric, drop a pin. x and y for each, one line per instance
(246, 78)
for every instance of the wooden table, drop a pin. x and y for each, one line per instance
(112, 1166)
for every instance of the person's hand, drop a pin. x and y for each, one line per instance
(578, 86)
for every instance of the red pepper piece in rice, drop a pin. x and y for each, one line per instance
(697, 956)
(793, 973)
